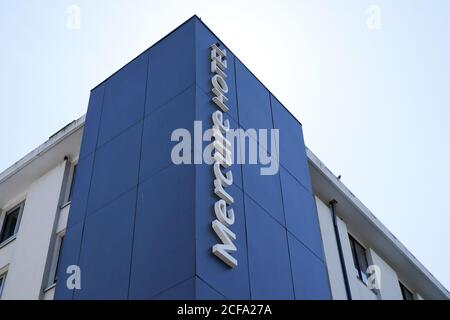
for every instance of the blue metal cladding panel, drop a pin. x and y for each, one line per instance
(264, 189)
(190, 289)
(105, 255)
(92, 122)
(292, 148)
(204, 39)
(301, 216)
(232, 283)
(205, 292)
(253, 100)
(116, 168)
(181, 291)
(204, 110)
(134, 146)
(164, 241)
(171, 66)
(268, 255)
(140, 226)
(309, 273)
(123, 103)
(216, 280)
(158, 127)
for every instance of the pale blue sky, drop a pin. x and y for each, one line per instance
(375, 104)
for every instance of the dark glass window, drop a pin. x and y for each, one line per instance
(359, 259)
(72, 183)
(10, 222)
(407, 295)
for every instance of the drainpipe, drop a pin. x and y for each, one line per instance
(339, 245)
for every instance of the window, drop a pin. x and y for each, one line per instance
(2, 283)
(407, 294)
(359, 259)
(11, 223)
(58, 259)
(72, 182)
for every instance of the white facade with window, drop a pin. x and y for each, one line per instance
(35, 201)
(397, 267)
(39, 186)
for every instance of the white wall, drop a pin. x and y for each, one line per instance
(34, 238)
(389, 286)
(6, 254)
(331, 251)
(358, 289)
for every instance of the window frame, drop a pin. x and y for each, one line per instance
(69, 184)
(360, 273)
(21, 206)
(403, 288)
(57, 258)
(73, 173)
(2, 283)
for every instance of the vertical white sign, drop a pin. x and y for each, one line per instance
(222, 155)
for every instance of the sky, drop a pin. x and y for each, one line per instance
(369, 80)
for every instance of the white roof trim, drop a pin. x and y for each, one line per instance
(42, 149)
(364, 212)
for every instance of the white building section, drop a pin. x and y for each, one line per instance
(40, 181)
(399, 268)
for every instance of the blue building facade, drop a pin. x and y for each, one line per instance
(140, 225)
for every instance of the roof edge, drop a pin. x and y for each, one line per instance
(52, 141)
(374, 221)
